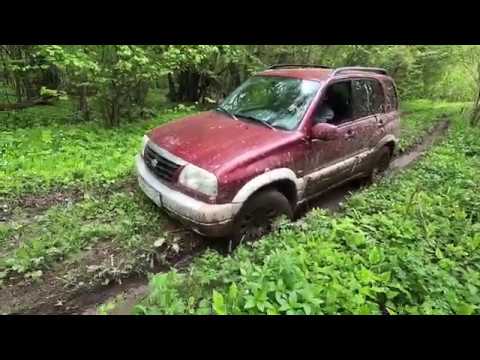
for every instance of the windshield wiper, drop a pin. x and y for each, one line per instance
(264, 122)
(227, 112)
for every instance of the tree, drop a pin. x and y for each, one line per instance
(475, 119)
(125, 70)
(470, 58)
(117, 76)
(26, 72)
(196, 70)
(80, 72)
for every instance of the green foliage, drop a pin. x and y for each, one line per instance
(48, 93)
(198, 71)
(119, 77)
(409, 245)
(38, 116)
(194, 57)
(26, 71)
(419, 117)
(421, 71)
(86, 154)
(115, 72)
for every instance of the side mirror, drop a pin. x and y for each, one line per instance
(325, 132)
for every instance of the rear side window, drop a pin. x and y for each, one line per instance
(368, 98)
(391, 96)
(378, 97)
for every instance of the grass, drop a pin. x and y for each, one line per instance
(68, 154)
(420, 116)
(37, 159)
(409, 245)
(38, 116)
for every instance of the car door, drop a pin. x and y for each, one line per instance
(367, 124)
(389, 119)
(375, 100)
(330, 162)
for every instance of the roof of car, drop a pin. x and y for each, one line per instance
(320, 74)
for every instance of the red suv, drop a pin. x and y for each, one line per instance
(286, 135)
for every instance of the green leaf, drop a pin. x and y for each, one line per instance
(439, 253)
(375, 255)
(307, 308)
(464, 309)
(219, 303)
(232, 291)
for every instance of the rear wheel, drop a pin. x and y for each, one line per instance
(257, 216)
(381, 164)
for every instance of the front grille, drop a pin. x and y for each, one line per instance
(159, 165)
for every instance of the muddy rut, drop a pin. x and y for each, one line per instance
(134, 288)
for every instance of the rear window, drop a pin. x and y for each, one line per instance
(391, 96)
(369, 99)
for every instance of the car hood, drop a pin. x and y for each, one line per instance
(216, 142)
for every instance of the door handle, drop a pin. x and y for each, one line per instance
(349, 134)
(381, 123)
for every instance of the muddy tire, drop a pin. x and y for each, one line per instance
(256, 217)
(382, 162)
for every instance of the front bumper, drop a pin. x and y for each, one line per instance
(212, 220)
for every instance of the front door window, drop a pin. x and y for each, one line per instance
(337, 105)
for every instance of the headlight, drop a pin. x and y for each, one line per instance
(198, 179)
(144, 144)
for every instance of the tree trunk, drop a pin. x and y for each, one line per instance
(172, 93)
(115, 113)
(51, 78)
(475, 119)
(236, 80)
(140, 93)
(18, 89)
(188, 88)
(83, 104)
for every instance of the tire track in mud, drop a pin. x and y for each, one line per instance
(134, 288)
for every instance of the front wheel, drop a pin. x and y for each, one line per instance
(256, 217)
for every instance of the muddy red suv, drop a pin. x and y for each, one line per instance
(286, 135)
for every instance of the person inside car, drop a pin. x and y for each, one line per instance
(325, 114)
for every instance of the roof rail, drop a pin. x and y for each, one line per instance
(359, 68)
(280, 66)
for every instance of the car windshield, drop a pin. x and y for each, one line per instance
(275, 101)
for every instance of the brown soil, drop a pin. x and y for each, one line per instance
(36, 204)
(33, 204)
